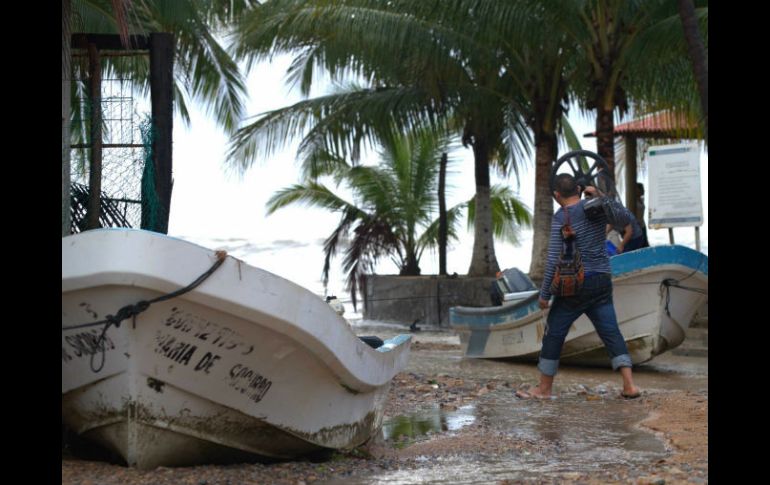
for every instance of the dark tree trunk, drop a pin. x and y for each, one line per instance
(483, 261)
(545, 156)
(412, 267)
(605, 140)
(442, 221)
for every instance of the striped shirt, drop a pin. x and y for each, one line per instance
(590, 237)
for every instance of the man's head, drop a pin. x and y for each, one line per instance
(566, 186)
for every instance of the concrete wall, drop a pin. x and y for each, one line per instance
(405, 299)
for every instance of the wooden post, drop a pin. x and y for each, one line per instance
(95, 166)
(66, 86)
(162, 93)
(631, 172)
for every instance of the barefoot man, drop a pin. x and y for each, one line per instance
(594, 298)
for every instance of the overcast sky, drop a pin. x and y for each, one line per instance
(210, 204)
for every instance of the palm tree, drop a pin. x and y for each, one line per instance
(393, 213)
(698, 56)
(669, 81)
(616, 71)
(204, 70)
(541, 60)
(441, 75)
(495, 68)
(601, 53)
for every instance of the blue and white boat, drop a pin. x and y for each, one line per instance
(657, 292)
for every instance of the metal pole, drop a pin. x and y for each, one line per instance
(671, 235)
(697, 238)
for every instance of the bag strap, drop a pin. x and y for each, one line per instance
(566, 227)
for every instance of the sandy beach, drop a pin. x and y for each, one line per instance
(455, 420)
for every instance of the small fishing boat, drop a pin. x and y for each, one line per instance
(656, 292)
(174, 354)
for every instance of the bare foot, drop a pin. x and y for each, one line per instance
(533, 393)
(630, 393)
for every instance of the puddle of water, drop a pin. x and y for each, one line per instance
(567, 435)
(429, 421)
(585, 431)
(570, 434)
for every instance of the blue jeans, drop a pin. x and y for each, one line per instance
(595, 300)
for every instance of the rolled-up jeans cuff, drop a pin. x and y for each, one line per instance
(622, 360)
(548, 366)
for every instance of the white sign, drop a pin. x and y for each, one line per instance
(674, 186)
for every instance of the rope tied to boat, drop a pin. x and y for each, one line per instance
(668, 283)
(132, 310)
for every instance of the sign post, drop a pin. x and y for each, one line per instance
(674, 188)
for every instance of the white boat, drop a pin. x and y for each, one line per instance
(656, 292)
(246, 364)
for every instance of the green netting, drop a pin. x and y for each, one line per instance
(152, 209)
(128, 197)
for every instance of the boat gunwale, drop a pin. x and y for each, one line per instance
(537, 314)
(345, 365)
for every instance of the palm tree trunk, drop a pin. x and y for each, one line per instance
(698, 57)
(605, 140)
(483, 261)
(66, 73)
(545, 155)
(442, 222)
(412, 267)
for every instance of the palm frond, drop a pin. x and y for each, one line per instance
(509, 214)
(312, 194)
(340, 120)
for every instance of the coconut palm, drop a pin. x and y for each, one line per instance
(495, 67)
(441, 75)
(668, 80)
(698, 56)
(620, 68)
(393, 213)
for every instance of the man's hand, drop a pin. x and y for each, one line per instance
(619, 249)
(543, 303)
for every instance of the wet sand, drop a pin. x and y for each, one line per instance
(455, 420)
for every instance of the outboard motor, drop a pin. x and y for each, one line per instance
(510, 281)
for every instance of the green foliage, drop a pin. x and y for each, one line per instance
(394, 211)
(204, 70)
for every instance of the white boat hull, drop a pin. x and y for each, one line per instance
(651, 320)
(246, 364)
